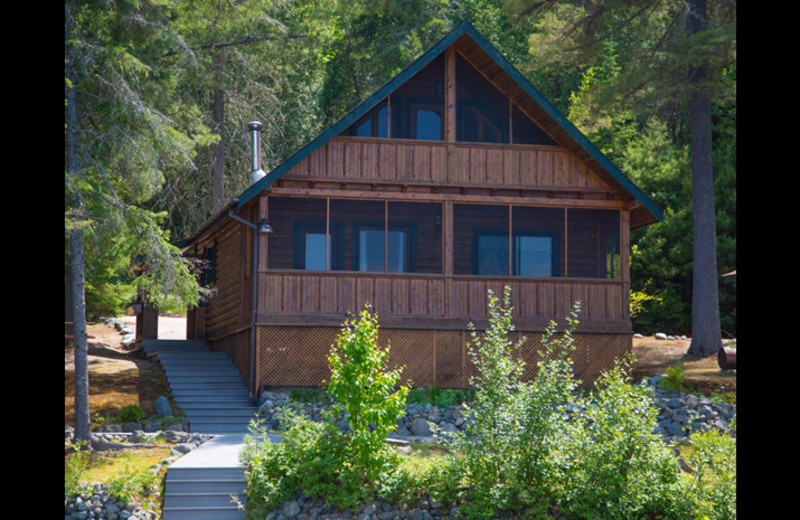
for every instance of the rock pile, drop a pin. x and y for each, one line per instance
(680, 414)
(128, 336)
(300, 507)
(97, 503)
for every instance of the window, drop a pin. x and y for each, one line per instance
(374, 124)
(311, 246)
(491, 252)
(535, 255)
(209, 274)
(532, 254)
(427, 122)
(372, 242)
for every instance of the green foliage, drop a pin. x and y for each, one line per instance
(363, 390)
(317, 458)
(610, 464)
(130, 483)
(513, 424)
(711, 489)
(75, 467)
(312, 457)
(675, 379)
(437, 396)
(131, 413)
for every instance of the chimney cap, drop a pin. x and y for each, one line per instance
(255, 125)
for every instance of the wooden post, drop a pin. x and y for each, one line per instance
(450, 94)
(447, 253)
(625, 260)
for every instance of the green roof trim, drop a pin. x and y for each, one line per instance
(465, 27)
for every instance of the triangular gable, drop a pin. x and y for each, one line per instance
(560, 127)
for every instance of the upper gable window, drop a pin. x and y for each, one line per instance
(416, 110)
(482, 111)
(374, 124)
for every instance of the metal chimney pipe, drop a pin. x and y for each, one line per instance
(257, 174)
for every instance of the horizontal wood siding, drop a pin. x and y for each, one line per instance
(229, 308)
(440, 163)
(314, 298)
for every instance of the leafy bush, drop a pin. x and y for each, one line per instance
(310, 458)
(318, 458)
(363, 389)
(675, 379)
(131, 413)
(75, 466)
(514, 424)
(610, 463)
(711, 488)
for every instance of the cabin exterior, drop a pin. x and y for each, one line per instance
(456, 177)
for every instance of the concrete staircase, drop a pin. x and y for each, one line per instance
(208, 386)
(205, 384)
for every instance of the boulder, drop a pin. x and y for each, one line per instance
(420, 427)
(162, 407)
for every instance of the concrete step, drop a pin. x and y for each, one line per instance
(182, 382)
(151, 346)
(203, 513)
(218, 419)
(230, 486)
(219, 428)
(182, 474)
(215, 400)
(202, 499)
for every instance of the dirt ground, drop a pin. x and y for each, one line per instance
(703, 374)
(119, 376)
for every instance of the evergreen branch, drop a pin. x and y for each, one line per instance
(246, 40)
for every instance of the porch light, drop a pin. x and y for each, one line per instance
(264, 226)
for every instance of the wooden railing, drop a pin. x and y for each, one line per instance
(435, 301)
(463, 164)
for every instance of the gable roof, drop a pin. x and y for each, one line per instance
(528, 98)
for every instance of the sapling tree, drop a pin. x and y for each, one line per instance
(367, 393)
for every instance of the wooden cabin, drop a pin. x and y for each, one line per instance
(454, 178)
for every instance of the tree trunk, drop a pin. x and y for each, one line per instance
(83, 427)
(706, 334)
(218, 158)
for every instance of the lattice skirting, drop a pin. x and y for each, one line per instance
(298, 356)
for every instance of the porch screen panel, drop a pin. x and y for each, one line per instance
(417, 106)
(593, 243)
(362, 223)
(482, 110)
(480, 240)
(418, 227)
(298, 238)
(537, 241)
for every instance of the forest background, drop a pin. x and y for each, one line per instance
(163, 92)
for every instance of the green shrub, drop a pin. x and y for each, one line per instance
(312, 458)
(75, 466)
(364, 390)
(675, 379)
(318, 458)
(711, 488)
(611, 465)
(131, 413)
(513, 424)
